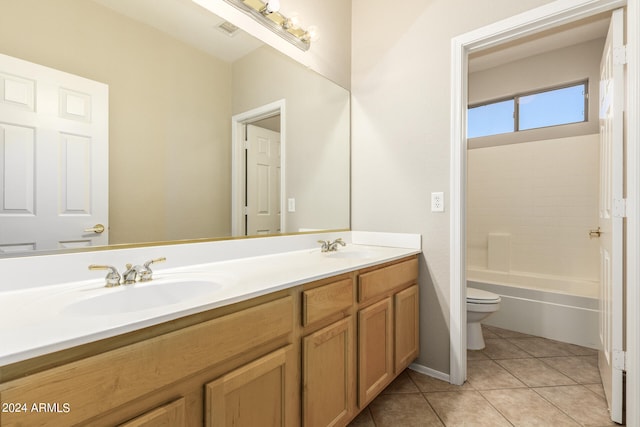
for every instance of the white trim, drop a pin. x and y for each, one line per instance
(458, 312)
(238, 166)
(633, 214)
(542, 18)
(430, 372)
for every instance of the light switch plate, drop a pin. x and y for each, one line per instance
(291, 205)
(437, 202)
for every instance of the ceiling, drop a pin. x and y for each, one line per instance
(567, 35)
(188, 22)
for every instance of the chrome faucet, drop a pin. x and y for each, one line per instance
(113, 277)
(329, 246)
(142, 273)
(334, 245)
(132, 273)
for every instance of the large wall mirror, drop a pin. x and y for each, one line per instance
(173, 170)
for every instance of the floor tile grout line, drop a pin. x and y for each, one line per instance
(496, 409)
(550, 367)
(427, 400)
(579, 382)
(556, 406)
(433, 409)
(573, 354)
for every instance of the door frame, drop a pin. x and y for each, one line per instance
(539, 19)
(238, 176)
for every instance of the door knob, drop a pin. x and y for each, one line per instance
(98, 229)
(595, 233)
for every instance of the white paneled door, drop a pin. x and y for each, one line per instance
(54, 158)
(612, 211)
(263, 181)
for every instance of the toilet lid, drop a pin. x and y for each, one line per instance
(478, 296)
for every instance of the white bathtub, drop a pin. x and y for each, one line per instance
(563, 309)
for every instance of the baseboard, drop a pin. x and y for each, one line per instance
(430, 372)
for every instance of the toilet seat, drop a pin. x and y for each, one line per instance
(479, 296)
(480, 305)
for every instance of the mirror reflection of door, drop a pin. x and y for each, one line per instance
(262, 183)
(53, 158)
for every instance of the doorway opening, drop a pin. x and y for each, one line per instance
(534, 21)
(258, 170)
(532, 193)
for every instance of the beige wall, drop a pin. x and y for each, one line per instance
(330, 55)
(400, 133)
(544, 194)
(169, 114)
(317, 134)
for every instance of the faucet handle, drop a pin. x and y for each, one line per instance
(147, 273)
(113, 277)
(324, 245)
(333, 246)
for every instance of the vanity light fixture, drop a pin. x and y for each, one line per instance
(267, 12)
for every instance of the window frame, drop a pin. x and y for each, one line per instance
(516, 107)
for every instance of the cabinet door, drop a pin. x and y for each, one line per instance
(406, 313)
(258, 394)
(375, 350)
(328, 375)
(169, 415)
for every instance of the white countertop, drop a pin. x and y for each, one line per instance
(42, 322)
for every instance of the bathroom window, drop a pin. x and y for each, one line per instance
(532, 110)
(491, 119)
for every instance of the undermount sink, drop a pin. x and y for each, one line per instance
(142, 296)
(351, 254)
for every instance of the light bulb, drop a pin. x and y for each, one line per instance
(312, 33)
(293, 21)
(273, 6)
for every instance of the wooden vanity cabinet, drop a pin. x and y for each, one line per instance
(136, 383)
(328, 353)
(312, 355)
(387, 325)
(359, 333)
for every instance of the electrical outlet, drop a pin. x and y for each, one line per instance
(437, 202)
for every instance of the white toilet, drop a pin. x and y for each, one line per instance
(480, 305)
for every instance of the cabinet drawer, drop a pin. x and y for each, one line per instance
(386, 279)
(326, 300)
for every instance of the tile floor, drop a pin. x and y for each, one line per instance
(517, 380)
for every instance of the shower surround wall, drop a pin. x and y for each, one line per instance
(539, 200)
